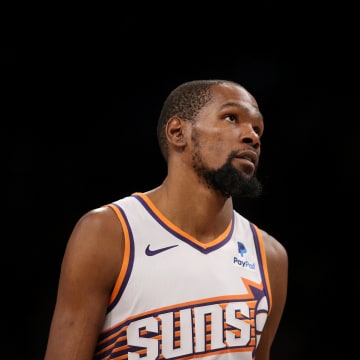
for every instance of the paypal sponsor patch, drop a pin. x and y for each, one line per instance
(240, 260)
(244, 263)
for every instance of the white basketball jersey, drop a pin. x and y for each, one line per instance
(176, 298)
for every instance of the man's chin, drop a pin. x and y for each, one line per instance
(244, 167)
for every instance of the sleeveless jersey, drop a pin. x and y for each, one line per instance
(177, 298)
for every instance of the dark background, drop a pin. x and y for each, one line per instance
(80, 108)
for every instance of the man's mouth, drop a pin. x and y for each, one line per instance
(248, 155)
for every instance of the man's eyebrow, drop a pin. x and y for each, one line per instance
(241, 106)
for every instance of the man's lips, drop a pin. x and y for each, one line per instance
(248, 155)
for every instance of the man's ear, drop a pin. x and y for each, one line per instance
(175, 131)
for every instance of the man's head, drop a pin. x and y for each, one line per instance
(220, 125)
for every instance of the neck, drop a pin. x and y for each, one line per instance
(199, 211)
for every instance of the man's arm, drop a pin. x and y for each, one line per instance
(90, 266)
(277, 260)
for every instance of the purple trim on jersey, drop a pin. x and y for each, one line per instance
(261, 262)
(131, 261)
(183, 238)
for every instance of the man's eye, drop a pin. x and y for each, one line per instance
(257, 130)
(230, 117)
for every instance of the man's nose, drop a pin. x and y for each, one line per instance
(248, 135)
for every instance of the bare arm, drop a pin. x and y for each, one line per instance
(89, 269)
(277, 260)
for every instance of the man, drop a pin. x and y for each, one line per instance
(176, 272)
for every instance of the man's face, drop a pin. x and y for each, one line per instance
(225, 141)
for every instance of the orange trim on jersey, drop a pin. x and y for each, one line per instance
(217, 240)
(126, 256)
(265, 266)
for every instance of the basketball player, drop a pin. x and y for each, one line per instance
(176, 272)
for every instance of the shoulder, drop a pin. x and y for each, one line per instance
(98, 227)
(95, 243)
(277, 266)
(277, 259)
(98, 220)
(275, 250)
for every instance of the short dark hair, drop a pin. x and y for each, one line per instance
(185, 101)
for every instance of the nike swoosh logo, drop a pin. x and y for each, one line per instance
(149, 252)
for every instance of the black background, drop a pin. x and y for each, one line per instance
(80, 108)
